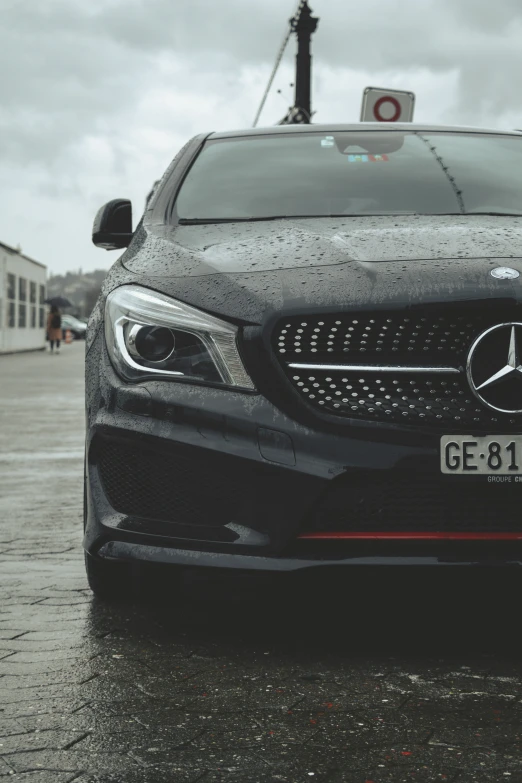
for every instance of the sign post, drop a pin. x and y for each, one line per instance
(381, 105)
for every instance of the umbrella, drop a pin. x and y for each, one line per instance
(59, 301)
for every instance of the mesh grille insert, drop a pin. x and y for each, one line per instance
(438, 336)
(425, 398)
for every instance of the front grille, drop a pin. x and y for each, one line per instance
(421, 500)
(185, 487)
(437, 337)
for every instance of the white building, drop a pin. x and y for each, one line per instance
(22, 309)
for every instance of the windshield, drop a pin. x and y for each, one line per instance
(353, 173)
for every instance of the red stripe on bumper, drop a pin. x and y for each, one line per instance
(415, 536)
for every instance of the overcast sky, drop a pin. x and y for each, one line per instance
(97, 97)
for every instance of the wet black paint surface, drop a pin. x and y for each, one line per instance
(251, 272)
(303, 243)
(359, 677)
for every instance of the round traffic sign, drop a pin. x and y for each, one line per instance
(377, 109)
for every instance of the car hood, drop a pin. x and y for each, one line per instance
(246, 271)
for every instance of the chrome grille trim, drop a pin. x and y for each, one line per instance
(373, 368)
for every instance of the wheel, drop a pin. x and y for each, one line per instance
(108, 579)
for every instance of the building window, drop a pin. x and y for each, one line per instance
(32, 299)
(11, 287)
(22, 315)
(22, 289)
(11, 301)
(42, 294)
(42, 318)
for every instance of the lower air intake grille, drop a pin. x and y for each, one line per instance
(185, 487)
(422, 501)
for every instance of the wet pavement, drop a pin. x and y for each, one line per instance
(349, 677)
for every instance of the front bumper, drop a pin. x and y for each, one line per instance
(207, 477)
(497, 556)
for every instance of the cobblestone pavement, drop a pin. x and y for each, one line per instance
(353, 678)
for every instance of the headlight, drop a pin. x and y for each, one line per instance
(151, 335)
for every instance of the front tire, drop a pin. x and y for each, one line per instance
(108, 579)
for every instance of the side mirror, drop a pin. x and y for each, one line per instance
(112, 228)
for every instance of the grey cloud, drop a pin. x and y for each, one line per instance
(70, 56)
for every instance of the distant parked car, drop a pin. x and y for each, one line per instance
(78, 328)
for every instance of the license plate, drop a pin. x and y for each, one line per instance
(490, 455)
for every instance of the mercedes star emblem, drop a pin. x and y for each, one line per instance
(494, 368)
(504, 273)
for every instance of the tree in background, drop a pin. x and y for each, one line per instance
(90, 298)
(81, 288)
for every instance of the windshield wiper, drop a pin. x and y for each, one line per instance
(203, 221)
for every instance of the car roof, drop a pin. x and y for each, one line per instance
(358, 126)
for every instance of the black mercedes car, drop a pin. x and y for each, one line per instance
(310, 354)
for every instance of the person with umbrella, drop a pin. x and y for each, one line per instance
(59, 301)
(54, 328)
(54, 321)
